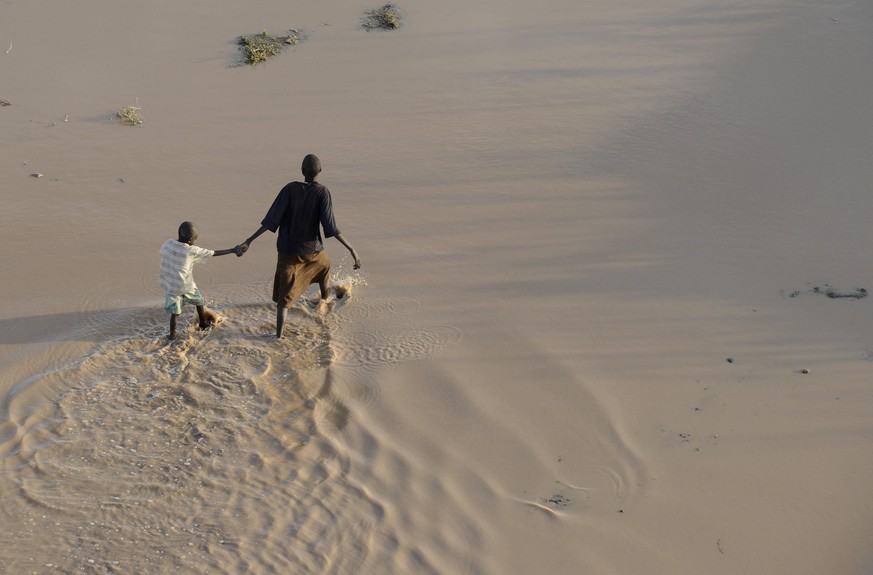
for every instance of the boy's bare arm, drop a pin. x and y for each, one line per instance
(234, 250)
(352, 251)
(243, 247)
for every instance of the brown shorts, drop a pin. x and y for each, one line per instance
(295, 273)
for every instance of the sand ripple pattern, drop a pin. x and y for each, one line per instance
(214, 454)
(392, 344)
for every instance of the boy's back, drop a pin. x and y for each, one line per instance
(298, 212)
(177, 261)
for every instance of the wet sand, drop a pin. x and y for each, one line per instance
(592, 333)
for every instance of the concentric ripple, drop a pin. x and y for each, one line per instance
(211, 454)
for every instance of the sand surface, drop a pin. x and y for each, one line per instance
(593, 330)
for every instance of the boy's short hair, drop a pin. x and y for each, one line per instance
(311, 166)
(187, 231)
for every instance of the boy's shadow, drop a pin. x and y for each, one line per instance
(148, 321)
(90, 326)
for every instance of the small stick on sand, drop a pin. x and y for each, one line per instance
(10, 47)
(541, 507)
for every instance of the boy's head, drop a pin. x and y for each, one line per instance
(188, 233)
(311, 167)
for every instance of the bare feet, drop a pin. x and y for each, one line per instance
(208, 319)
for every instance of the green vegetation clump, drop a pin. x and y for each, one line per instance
(260, 47)
(385, 18)
(131, 115)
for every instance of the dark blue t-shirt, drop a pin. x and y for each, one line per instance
(297, 212)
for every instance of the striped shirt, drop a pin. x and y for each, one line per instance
(177, 261)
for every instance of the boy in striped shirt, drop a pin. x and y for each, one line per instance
(177, 279)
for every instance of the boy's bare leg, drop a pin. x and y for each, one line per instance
(173, 317)
(338, 291)
(281, 314)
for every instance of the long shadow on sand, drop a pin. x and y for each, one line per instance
(91, 326)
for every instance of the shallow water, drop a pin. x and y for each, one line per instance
(570, 215)
(214, 453)
(227, 451)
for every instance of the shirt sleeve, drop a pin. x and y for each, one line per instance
(277, 211)
(328, 222)
(201, 255)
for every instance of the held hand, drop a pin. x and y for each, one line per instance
(241, 249)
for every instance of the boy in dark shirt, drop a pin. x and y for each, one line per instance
(299, 212)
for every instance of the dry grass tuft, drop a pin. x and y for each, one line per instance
(131, 115)
(260, 47)
(385, 18)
